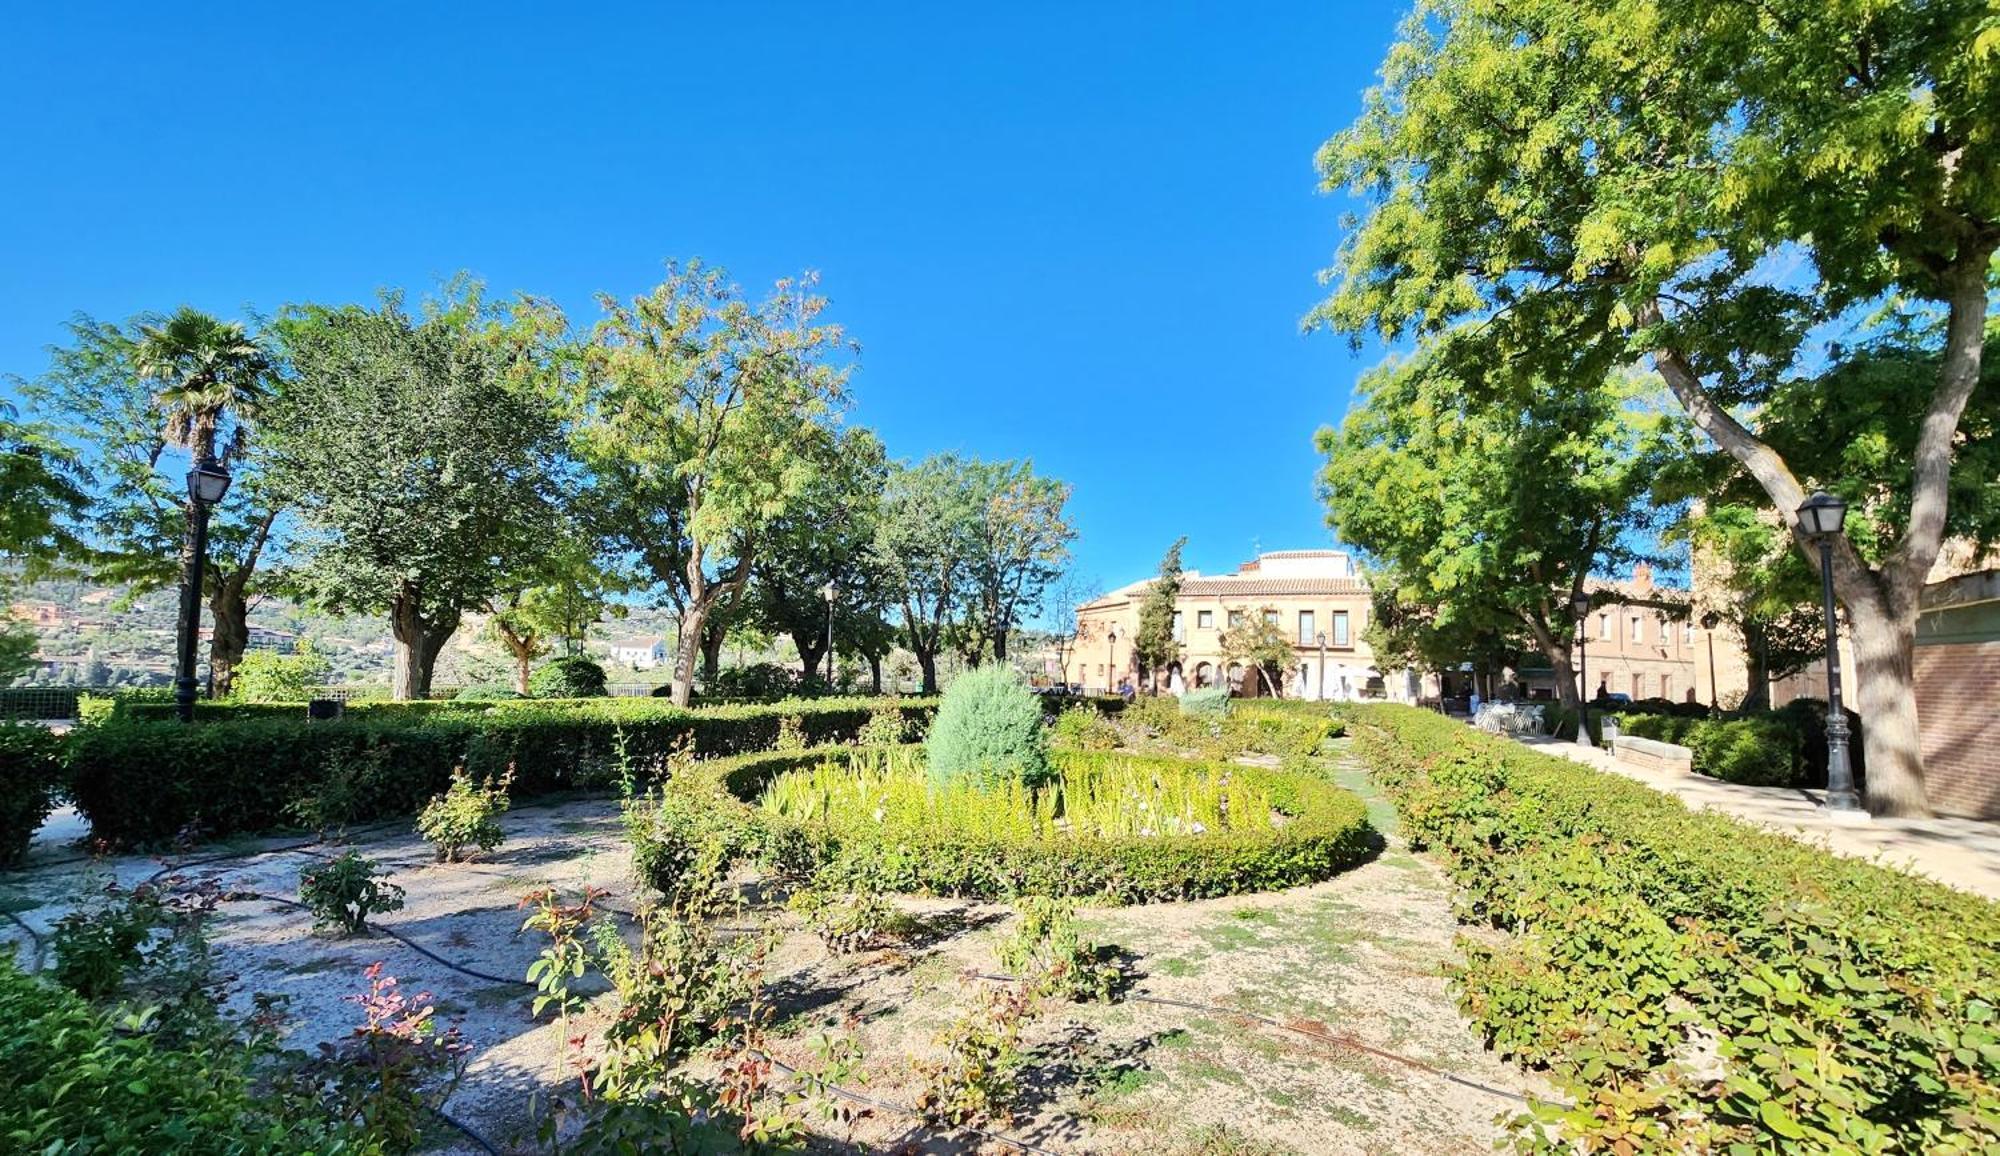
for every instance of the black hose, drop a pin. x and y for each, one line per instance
(468, 1133)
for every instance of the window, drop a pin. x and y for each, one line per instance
(1205, 619)
(1306, 630)
(1340, 628)
(1177, 626)
(1638, 682)
(1604, 627)
(1271, 617)
(1666, 686)
(1687, 634)
(1638, 629)
(1235, 619)
(1665, 638)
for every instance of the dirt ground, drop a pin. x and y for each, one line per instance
(1358, 957)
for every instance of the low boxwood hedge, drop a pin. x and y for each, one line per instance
(30, 776)
(143, 782)
(1328, 832)
(1698, 984)
(1758, 750)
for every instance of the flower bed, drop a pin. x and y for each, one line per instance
(1699, 984)
(1206, 829)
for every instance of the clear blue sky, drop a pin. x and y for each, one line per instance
(1079, 233)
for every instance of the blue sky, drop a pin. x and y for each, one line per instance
(1083, 234)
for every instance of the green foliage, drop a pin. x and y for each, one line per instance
(76, 1080)
(395, 1069)
(988, 731)
(466, 815)
(1292, 731)
(1849, 1004)
(268, 676)
(1050, 956)
(886, 727)
(1083, 728)
(1008, 842)
(850, 921)
(1153, 643)
(980, 1072)
(1208, 702)
(343, 892)
(1763, 750)
(1260, 644)
(684, 839)
(487, 692)
(256, 768)
(30, 778)
(574, 677)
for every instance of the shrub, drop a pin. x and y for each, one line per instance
(1761, 750)
(850, 921)
(980, 1072)
(268, 676)
(1083, 729)
(571, 677)
(758, 682)
(487, 692)
(466, 815)
(988, 730)
(76, 1080)
(30, 776)
(342, 893)
(1207, 702)
(993, 850)
(143, 782)
(1848, 1006)
(1050, 956)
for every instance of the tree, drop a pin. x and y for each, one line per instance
(1068, 595)
(1154, 644)
(923, 550)
(827, 537)
(1713, 188)
(1020, 542)
(569, 592)
(1255, 639)
(41, 500)
(1491, 512)
(125, 394)
(704, 419)
(421, 454)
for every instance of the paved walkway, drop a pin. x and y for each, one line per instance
(1963, 853)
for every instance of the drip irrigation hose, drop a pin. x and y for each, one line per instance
(898, 1109)
(1338, 1040)
(35, 940)
(467, 1132)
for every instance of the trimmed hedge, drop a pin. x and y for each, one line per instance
(142, 782)
(1695, 982)
(1757, 750)
(1327, 833)
(30, 775)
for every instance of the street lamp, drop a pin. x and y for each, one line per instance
(1709, 622)
(1322, 665)
(1580, 603)
(206, 484)
(1111, 659)
(1821, 518)
(829, 591)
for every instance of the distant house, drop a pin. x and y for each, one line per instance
(640, 653)
(38, 613)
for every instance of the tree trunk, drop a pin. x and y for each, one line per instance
(875, 671)
(230, 612)
(1885, 694)
(712, 641)
(1000, 643)
(418, 644)
(812, 647)
(927, 663)
(522, 663)
(687, 646)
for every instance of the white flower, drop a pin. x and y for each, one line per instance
(878, 814)
(1198, 829)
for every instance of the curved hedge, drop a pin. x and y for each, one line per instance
(1328, 832)
(1842, 1006)
(144, 782)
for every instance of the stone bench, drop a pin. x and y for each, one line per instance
(1652, 754)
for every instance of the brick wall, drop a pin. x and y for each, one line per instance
(1958, 702)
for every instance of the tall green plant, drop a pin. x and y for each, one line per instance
(989, 730)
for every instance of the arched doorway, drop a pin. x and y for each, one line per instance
(1204, 674)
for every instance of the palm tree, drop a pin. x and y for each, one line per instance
(204, 368)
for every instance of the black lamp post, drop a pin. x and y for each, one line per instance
(1709, 622)
(1322, 666)
(1821, 519)
(829, 591)
(1111, 660)
(206, 483)
(1580, 603)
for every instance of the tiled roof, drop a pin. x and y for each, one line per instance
(646, 642)
(1303, 554)
(1228, 585)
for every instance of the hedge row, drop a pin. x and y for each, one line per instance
(30, 774)
(145, 782)
(1327, 832)
(1778, 748)
(1697, 983)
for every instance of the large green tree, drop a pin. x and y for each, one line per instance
(1710, 187)
(924, 549)
(1491, 512)
(553, 601)
(703, 419)
(422, 455)
(42, 500)
(1020, 541)
(123, 395)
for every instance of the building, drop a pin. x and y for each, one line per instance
(36, 613)
(1316, 597)
(642, 653)
(1957, 670)
(1643, 640)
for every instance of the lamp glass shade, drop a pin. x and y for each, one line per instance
(828, 591)
(207, 482)
(1823, 515)
(1580, 603)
